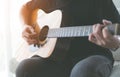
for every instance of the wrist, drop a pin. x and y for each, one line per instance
(116, 48)
(117, 45)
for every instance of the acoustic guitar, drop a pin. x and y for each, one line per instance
(49, 30)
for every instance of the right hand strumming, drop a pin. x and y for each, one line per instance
(30, 35)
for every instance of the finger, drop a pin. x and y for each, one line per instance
(92, 38)
(111, 41)
(94, 27)
(26, 34)
(31, 38)
(98, 29)
(106, 34)
(106, 22)
(29, 35)
(31, 41)
(34, 36)
(108, 38)
(30, 29)
(98, 32)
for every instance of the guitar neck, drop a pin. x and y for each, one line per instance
(79, 31)
(76, 31)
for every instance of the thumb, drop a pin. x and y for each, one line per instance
(106, 22)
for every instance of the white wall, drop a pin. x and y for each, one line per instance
(117, 4)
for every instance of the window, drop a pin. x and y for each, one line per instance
(10, 35)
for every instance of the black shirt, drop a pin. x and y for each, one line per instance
(79, 13)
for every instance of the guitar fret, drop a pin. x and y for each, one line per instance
(89, 30)
(86, 31)
(79, 31)
(76, 33)
(72, 32)
(83, 31)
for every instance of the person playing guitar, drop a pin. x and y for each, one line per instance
(85, 56)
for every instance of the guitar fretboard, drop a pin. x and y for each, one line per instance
(76, 31)
(79, 31)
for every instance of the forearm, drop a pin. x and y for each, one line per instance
(41, 4)
(29, 10)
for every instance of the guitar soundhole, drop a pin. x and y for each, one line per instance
(43, 34)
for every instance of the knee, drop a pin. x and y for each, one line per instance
(91, 62)
(23, 66)
(82, 69)
(28, 66)
(88, 66)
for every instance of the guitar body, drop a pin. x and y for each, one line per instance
(52, 20)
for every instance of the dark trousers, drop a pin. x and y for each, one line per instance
(93, 66)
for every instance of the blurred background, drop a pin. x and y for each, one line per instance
(10, 34)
